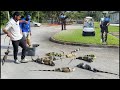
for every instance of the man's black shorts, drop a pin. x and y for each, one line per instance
(104, 29)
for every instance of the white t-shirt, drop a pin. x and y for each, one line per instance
(14, 28)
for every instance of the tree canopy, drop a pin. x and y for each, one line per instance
(40, 16)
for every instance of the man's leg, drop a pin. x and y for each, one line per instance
(62, 25)
(106, 31)
(105, 36)
(102, 36)
(15, 50)
(28, 39)
(23, 46)
(102, 33)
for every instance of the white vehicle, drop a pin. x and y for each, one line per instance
(34, 24)
(88, 27)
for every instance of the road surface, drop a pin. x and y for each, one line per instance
(107, 59)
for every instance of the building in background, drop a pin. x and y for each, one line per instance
(114, 16)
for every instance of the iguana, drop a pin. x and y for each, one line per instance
(5, 57)
(63, 69)
(44, 60)
(88, 67)
(70, 55)
(88, 58)
(6, 54)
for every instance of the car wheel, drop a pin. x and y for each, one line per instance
(93, 33)
(83, 33)
(35, 25)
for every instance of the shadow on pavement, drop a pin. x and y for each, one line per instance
(9, 61)
(5, 47)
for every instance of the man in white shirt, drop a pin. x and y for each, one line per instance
(12, 29)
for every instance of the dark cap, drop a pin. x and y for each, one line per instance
(16, 14)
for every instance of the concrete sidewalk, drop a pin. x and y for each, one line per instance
(114, 24)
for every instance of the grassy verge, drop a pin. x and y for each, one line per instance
(75, 35)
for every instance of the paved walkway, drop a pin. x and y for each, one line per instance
(114, 24)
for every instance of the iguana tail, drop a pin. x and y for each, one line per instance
(96, 70)
(42, 70)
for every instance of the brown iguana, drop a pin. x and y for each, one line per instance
(44, 60)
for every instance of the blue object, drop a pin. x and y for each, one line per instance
(25, 26)
(107, 19)
(62, 16)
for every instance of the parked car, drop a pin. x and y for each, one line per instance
(88, 27)
(34, 24)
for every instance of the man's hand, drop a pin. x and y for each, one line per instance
(21, 21)
(26, 22)
(30, 33)
(9, 34)
(108, 24)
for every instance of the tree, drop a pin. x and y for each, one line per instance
(3, 17)
(38, 16)
(52, 15)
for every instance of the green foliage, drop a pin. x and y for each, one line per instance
(3, 17)
(39, 16)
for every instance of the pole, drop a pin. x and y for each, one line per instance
(8, 15)
(38, 16)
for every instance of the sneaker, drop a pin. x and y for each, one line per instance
(105, 43)
(102, 41)
(24, 61)
(17, 61)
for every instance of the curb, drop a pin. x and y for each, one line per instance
(81, 44)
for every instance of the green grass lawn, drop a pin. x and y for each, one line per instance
(75, 35)
(110, 28)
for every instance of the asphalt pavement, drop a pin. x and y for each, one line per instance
(107, 59)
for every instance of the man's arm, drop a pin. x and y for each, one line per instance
(100, 22)
(5, 30)
(108, 24)
(23, 21)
